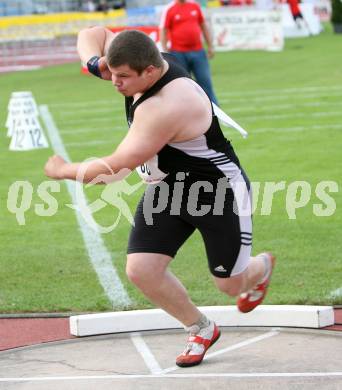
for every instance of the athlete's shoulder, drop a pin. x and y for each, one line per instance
(169, 102)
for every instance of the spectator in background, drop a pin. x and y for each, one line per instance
(89, 6)
(298, 16)
(103, 6)
(118, 4)
(183, 23)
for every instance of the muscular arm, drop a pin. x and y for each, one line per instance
(208, 38)
(163, 38)
(149, 132)
(93, 41)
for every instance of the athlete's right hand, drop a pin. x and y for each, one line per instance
(54, 166)
(103, 68)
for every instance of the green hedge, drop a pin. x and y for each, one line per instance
(336, 16)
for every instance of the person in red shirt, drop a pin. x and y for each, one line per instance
(183, 22)
(297, 15)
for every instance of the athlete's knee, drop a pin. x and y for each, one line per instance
(135, 271)
(144, 268)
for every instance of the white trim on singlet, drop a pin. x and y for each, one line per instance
(243, 203)
(198, 147)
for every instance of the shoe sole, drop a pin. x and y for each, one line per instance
(199, 361)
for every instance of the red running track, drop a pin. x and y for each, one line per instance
(19, 332)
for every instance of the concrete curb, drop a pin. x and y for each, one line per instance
(263, 315)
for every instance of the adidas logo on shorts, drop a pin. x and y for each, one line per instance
(220, 268)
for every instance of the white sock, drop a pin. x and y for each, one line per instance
(202, 323)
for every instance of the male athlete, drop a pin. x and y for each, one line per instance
(176, 144)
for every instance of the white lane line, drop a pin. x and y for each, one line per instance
(91, 109)
(293, 115)
(87, 121)
(16, 68)
(93, 129)
(267, 94)
(80, 122)
(87, 103)
(176, 376)
(281, 96)
(262, 93)
(86, 143)
(67, 113)
(281, 107)
(47, 56)
(337, 126)
(281, 91)
(98, 253)
(146, 353)
(108, 109)
(232, 347)
(243, 343)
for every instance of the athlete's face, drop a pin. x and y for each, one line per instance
(129, 82)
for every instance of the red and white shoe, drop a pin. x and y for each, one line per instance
(197, 346)
(252, 298)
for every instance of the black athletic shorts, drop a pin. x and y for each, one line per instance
(163, 222)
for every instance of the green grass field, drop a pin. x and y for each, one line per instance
(290, 102)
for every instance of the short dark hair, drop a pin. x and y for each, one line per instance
(135, 49)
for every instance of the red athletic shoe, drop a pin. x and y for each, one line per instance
(197, 346)
(252, 298)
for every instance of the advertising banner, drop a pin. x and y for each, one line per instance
(247, 29)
